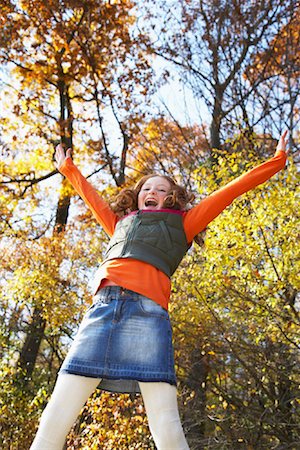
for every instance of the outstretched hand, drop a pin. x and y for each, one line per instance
(61, 156)
(283, 141)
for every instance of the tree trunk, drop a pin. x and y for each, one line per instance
(32, 343)
(36, 328)
(195, 417)
(215, 126)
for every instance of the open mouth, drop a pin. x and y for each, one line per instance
(151, 202)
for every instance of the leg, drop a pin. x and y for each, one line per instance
(69, 395)
(161, 406)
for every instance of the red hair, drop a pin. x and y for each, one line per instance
(177, 198)
(127, 200)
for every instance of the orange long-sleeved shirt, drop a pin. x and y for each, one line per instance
(139, 276)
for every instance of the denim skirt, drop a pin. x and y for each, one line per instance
(124, 338)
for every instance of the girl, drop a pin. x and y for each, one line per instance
(124, 343)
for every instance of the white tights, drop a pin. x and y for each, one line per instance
(72, 391)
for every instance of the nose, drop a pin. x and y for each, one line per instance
(153, 190)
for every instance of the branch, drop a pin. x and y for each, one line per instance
(31, 181)
(121, 178)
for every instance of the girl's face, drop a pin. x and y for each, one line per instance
(153, 193)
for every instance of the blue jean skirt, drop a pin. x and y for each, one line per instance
(124, 338)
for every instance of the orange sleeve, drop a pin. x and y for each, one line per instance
(197, 218)
(100, 209)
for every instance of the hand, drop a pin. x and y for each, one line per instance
(283, 141)
(60, 155)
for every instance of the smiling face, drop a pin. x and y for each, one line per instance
(153, 193)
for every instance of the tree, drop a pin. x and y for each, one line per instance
(211, 43)
(235, 306)
(279, 65)
(167, 147)
(67, 56)
(71, 67)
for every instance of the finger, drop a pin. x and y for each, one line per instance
(283, 141)
(69, 153)
(282, 137)
(59, 151)
(59, 147)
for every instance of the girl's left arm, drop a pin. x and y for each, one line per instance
(197, 218)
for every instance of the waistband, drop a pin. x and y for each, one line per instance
(112, 292)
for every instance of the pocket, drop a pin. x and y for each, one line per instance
(151, 308)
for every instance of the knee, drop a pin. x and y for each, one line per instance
(56, 415)
(167, 431)
(52, 415)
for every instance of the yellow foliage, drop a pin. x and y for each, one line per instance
(233, 306)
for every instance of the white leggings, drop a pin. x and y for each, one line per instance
(72, 391)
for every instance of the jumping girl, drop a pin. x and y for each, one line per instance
(124, 343)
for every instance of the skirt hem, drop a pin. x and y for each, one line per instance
(121, 384)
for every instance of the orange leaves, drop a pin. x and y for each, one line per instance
(283, 53)
(71, 34)
(76, 62)
(166, 147)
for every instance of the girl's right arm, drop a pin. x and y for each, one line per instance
(100, 209)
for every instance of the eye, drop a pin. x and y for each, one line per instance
(162, 190)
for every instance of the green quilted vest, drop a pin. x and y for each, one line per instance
(157, 238)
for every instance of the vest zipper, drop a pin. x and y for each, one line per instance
(134, 226)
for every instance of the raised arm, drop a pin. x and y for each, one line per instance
(208, 209)
(100, 209)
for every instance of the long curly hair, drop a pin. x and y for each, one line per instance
(127, 199)
(177, 198)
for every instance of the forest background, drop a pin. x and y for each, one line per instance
(93, 75)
